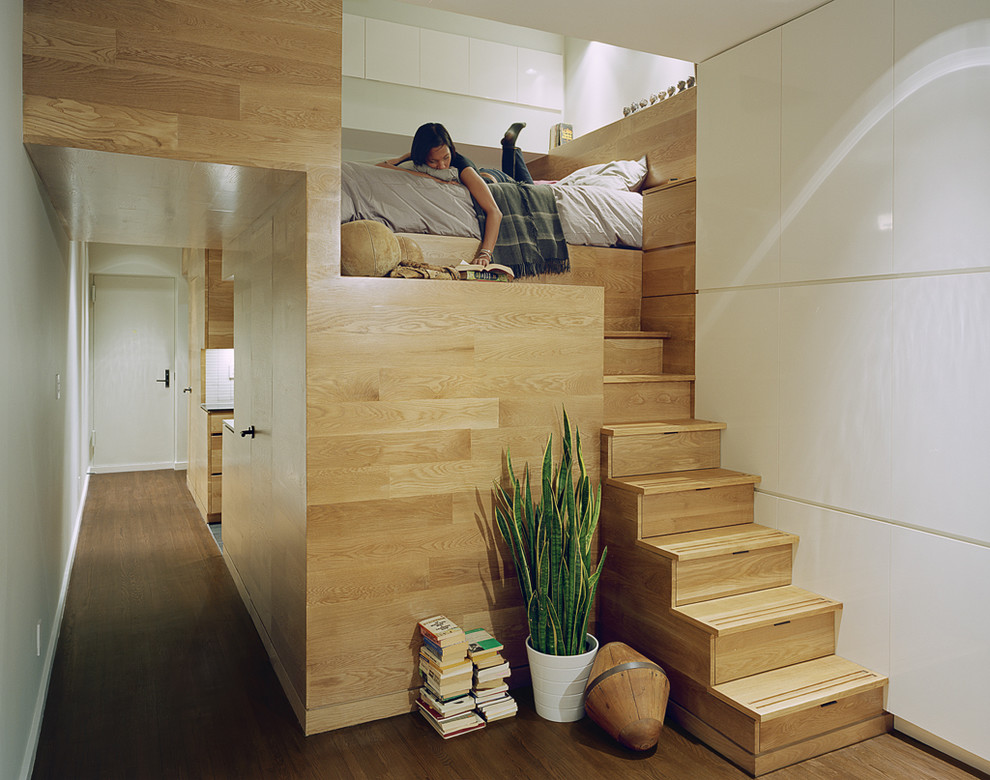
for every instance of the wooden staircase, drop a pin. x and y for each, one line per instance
(693, 583)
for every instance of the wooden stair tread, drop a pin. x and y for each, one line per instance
(637, 334)
(627, 379)
(678, 481)
(660, 426)
(709, 542)
(746, 611)
(779, 692)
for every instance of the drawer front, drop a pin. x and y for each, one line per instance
(656, 453)
(804, 724)
(669, 216)
(215, 492)
(725, 575)
(693, 510)
(772, 647)
(216, 421)
(216, 454)
(633, 356)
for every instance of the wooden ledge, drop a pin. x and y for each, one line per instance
(630, 379)
(661, 426)
(637, 334)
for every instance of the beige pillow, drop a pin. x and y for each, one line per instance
(368, 248)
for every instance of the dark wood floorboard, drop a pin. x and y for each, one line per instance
(159, 673)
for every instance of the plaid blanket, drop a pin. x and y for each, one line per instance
(530, 239)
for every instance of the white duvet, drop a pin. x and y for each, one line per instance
(589, 215)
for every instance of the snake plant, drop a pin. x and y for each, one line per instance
(551, 542)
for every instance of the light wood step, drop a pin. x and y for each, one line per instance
(636, 449)
(648, 379)
(769, 629)
(777, 718)
(634, 352)
(712, 542)
(679, 501)
(639, 397)
(718, 562)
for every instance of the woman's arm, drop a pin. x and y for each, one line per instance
(394, 162)
(396, 165)
(493, 216)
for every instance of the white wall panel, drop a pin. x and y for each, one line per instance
(739, 170)
(391, 52)
(846, 558)
(443, 59)
(836, 141)
(941, 397)
(941, 121)
(352, 46)
(493, 70)
(940, 637)
(540, 78)
(737, 369)
(835, 396)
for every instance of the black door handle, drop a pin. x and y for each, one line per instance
(165, 380)
(248, 432)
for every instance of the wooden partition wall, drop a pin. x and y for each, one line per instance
(382, 408)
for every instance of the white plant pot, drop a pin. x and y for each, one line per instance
(559, 681)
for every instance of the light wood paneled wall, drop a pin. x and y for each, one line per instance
(206, 80)
(416, 390)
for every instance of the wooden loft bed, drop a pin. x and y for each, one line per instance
(648, 289)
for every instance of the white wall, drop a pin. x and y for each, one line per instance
(381, 111)
(386, 107)
(601, 79)
(157, 261)
(844, 328)
(42, 478)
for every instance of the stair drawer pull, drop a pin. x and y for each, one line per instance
(830, 703)
(781, 623)
(740, 552)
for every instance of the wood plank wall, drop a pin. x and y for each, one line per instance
(664, 132)
(416, 390)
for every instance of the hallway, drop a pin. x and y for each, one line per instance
(159, 673)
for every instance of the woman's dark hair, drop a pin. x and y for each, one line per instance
(429, 136)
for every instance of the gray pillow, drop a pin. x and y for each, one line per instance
(446, 174)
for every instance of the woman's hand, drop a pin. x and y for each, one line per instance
(483, 258)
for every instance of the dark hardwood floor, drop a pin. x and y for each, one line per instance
(159, 673)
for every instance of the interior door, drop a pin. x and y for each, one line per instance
(133, 348)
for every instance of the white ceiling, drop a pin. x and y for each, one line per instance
(691, 30)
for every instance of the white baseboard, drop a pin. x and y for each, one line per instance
(181, 465)
(31, 750)
(942, 745)
(116, 469)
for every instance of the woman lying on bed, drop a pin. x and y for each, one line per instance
(433, 154)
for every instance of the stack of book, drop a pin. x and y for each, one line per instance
(490, 691)
(445, 699)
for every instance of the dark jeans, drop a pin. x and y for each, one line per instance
(513, 167)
